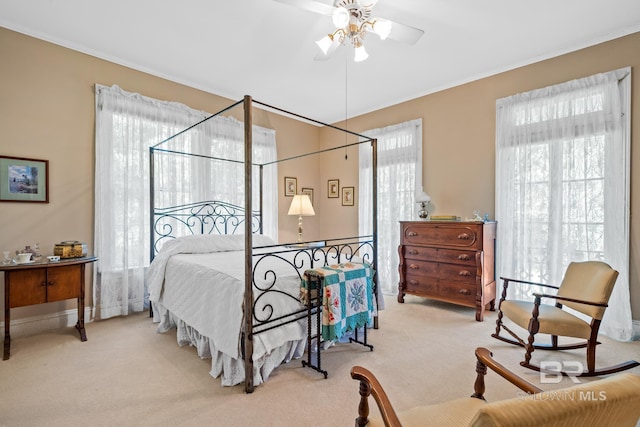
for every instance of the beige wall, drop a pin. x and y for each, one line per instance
(459, 134)
(47, 112)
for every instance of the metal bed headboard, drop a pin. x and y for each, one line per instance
(208, 217)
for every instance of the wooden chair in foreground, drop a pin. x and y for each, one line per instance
(614, 401)
(586, 288)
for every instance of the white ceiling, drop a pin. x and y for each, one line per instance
(266, 49)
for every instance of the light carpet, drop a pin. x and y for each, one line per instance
(126, 374)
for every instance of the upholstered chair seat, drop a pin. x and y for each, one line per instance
(552, 320)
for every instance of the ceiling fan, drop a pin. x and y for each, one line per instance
(353, 20)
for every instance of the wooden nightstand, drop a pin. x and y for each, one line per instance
(42, 282)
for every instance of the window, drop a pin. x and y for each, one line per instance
(399, 179)
(562, 184)
(127, 124)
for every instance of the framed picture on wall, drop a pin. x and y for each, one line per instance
(290, 186)
(348, 194)
(333, 188)
(24, 180)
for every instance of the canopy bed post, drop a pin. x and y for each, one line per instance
(152, 207)
(374, 211)
(248, 249)
(260, 196)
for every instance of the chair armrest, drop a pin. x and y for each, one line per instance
(507, 280)
(369, 385)
(485, 358)
(559, 298)
(525, 282)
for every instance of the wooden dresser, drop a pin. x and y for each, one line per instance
(450, 261)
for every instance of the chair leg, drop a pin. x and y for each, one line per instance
(363, 406)
(534, 327)
(499, 322)
(554, 341)
(529, 347)
(591, 357)
(591, 346)
(503, 296)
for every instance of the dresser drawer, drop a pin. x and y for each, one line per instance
(461, 293)
(421, 285)
(458, 273)
(453, 256)
(431, 287)
(421, 268)
(440, 270)
(441, 234)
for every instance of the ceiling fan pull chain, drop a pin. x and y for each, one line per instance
(346, 97)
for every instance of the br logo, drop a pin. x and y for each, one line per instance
(550, 371)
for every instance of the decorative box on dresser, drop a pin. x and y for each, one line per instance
(450, 261)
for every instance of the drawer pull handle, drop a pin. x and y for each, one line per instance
(463, 257)
(413, 252)
(413, 282)
(463, 236)
(413, 267)
(412, 234)
(465, 291)
(50, 283)
(464, 273)
(43, 284)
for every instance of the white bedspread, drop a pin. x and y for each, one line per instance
(197, 285)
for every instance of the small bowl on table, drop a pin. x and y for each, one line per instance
(23, 258)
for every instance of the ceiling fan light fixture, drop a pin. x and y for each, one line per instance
(325, 43)
(360, 53)
(382, 28)
(353, 19)
(340, 17)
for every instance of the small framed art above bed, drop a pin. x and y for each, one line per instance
(217, 275)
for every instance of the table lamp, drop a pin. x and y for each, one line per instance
(423, 199)
(301, 206)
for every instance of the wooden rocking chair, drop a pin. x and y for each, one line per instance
(614, 401)
(586, 288)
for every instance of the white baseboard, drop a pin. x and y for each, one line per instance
(35, 324)
(636, 330)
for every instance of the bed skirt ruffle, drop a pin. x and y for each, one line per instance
(229, 369)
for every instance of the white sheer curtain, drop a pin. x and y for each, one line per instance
(399, 180)
(127, 124)
(562, 184)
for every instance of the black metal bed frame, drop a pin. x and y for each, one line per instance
(217, 217)
(207, 217)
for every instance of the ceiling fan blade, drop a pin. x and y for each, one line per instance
(311, 5)
(404, 33)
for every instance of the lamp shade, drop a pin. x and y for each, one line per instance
(382, 28)
(360, 54)
(340, 17)
(422, 197)
(301, 206)
(324, 44)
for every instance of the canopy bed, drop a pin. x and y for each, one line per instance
(230, 290)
